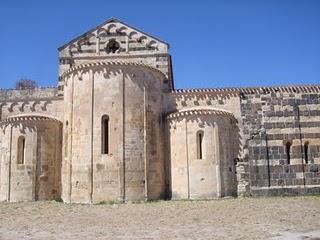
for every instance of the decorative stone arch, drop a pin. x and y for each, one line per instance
(12, 105)
(101, 32)
(85, 39)
(152, 44)
(133, 35)
(122, 29)
(111, 28)
(142, 39)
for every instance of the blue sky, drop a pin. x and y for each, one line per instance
(213, 43)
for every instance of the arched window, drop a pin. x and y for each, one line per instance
(288, 147)
(21, 150)
(66, 139)
(305, 149)
(105, 134)
(113, 46)
(200, 144)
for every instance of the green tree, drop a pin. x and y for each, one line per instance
(25, 83)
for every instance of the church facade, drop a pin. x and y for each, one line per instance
(116, 129)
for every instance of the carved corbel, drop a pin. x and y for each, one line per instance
(79, 75)
(1, 106)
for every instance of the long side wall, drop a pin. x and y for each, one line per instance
(272, 121)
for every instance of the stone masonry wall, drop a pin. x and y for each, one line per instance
(38, 176)
(133, 168)
(212, 174)
(39, 101)
(271, 120)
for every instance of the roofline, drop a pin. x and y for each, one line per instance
(110, 63)
(248, 90)
(29, 117)
(110, 20)
(199, 111)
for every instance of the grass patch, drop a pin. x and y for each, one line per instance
(57, 199)
(109, 202)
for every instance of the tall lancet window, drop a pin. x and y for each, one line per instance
(306, 150)
(21, 150)
(200, 144)
(288, 148)
(105, 134)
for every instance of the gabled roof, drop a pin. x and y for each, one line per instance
(111, 20)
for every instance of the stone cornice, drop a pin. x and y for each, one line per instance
(24, 118)
(251, 90)
(197, 112)
(111, 57)
(37, 94)
(17, 100)
(109, 63)
(38, 88)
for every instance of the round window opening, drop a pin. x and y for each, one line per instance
(113, 46)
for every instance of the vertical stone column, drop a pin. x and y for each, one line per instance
(67, 161)
(145, 126)
(98, 45)
(91, 135)
(187, 159)
(122, 141)
(218, 160)
(127, 44)
(9, 162)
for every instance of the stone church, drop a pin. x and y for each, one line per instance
(116, 129)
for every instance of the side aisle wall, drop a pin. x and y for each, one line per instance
(281, 142)
(39, 101)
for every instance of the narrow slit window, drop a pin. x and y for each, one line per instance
(200, 145)
(105, 134)
(21, 150)
(288, 148)
(306, 149)
(66, 140)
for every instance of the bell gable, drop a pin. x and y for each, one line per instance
(113, 37)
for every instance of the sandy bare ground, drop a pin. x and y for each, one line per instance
(242, 218)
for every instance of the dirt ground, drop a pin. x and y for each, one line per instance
(242, 218)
